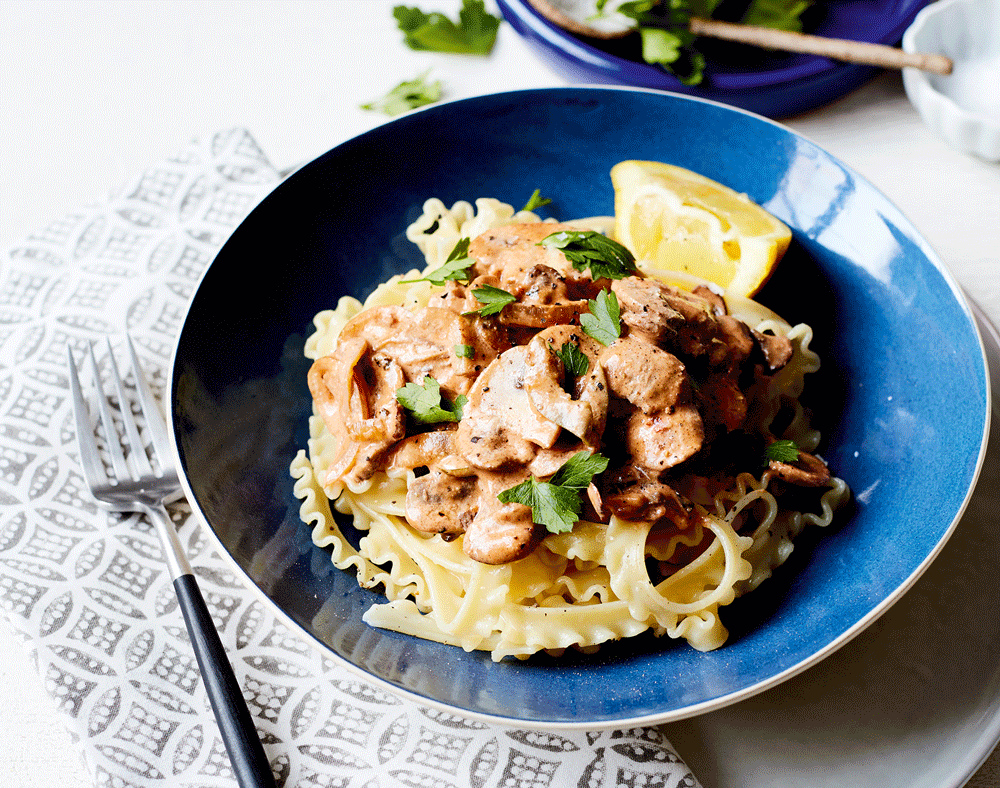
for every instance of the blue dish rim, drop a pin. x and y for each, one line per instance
(654, 718)
(523, 17)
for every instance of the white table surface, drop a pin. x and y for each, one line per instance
(93, 91)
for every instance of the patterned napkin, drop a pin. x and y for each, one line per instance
(90, 597)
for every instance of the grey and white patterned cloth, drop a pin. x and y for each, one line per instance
(87, 591)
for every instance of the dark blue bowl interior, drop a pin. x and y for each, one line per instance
(902, 396)
(775, 84)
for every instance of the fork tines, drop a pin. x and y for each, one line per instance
(93, 466)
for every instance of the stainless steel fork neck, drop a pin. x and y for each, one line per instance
(177, 563)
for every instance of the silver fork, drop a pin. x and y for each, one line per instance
(135, 485)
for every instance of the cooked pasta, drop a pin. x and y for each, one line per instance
(634, 560)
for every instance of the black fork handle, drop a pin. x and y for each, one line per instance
(239, 734)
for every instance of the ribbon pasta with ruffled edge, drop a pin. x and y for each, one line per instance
(577, 589)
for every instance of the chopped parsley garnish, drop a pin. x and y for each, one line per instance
(407, 95)
(493, 300)
(465, 351)
(667, 40)
(536, 201)
(475, 32)
(426, 405)
(782, 451)
(665, 28)
(456, 267)
(780, 14)
(574, 360)
(603, 322)
(673, 49)
(557, 503)
(589, 249)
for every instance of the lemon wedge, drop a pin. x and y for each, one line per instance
(673, 219)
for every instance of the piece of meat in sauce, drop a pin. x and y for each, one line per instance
(501, 532)
(446, 497)
(664, 428)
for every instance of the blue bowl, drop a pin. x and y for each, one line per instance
(903, 388)
(777, 85)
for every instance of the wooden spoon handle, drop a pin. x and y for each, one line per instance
(834, 48)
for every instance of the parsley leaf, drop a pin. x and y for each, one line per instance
(579, 470)
(667, 40)
(782, 451)
(455, 267)
(474, 34)
(465, 351)
(407, 95)
(673, 50)
(536, 201)
(781, 14)
(460, 251)
(574, 360)
(665, 28)
(425, 404)
(589, 249)
(557, 503)
(493, 298)
(603, 322)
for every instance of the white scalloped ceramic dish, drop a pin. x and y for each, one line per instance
(964, 106)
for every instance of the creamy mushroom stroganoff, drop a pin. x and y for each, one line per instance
(545, 447)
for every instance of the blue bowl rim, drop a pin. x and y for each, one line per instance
(680, 713)
(585, 53)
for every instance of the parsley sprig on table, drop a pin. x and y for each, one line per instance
(474, 33)
(407, 95)
(425, 404)
(557, 503)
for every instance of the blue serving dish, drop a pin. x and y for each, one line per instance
(777, 85)
(902, 397)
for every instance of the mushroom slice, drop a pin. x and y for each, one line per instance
(500, 426)
(435, 448)
(633, 493)
(577, 403)
(543, 297)
(354, 391)
(777, 349)
(423, 343)
(807, 471)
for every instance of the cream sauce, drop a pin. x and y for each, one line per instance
(525, 413)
